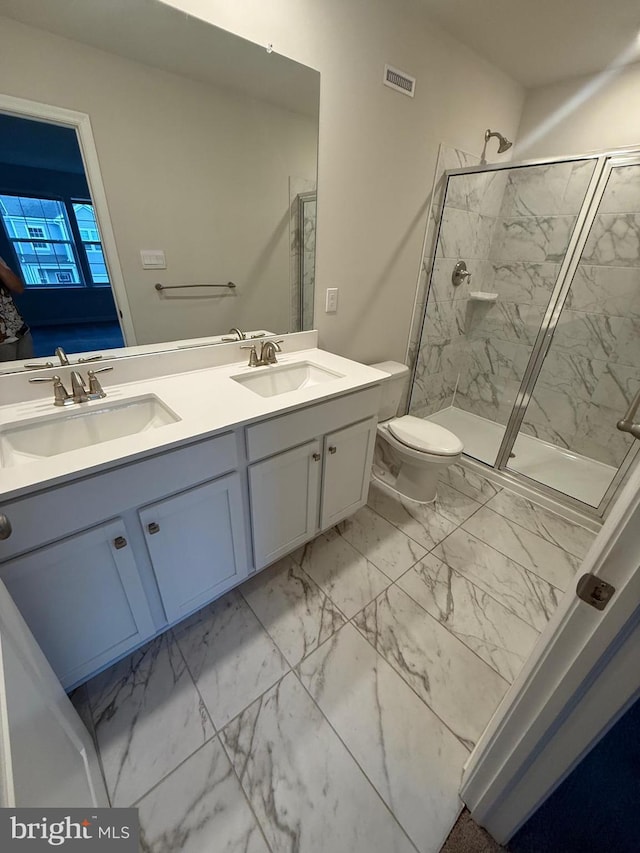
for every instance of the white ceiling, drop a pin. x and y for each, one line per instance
(542, 41)
(158, 35)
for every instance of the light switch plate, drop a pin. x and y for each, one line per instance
(153, 259)
(331, 302)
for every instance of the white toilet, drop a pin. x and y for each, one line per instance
(410, 453)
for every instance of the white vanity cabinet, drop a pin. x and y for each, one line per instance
(196, 544)
(78, 569)
(297, 492)
(82, 598)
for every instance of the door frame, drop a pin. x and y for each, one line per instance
(580, 678)
(81, 123)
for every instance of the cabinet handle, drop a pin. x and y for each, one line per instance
(316, 457)
(332, 448)
(154, 527)
(120, 542)
(5, 527)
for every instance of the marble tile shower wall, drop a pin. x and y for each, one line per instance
(537, 214)
(593, 368)
(433, 345)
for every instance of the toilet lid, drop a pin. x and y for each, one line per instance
(424, 435)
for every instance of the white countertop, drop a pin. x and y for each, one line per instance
(206, 400)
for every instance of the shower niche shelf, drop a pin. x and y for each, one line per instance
(479, 296)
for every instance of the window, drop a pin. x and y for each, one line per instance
(90, 236)
(34, 231)
(56, 242)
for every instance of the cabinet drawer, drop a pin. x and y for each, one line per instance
(297, 427)
(63, 510)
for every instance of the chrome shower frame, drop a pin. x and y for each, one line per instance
(604, 163)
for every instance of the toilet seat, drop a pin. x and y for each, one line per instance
(425, 436)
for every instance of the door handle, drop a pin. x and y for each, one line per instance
(154, 527)
(5, 527)
(627, 423)
(332, 448)
(316, 457)
(119, 542)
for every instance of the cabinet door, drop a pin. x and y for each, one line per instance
(284, 501)
(82, 599)
(348, 454)
(196, 543)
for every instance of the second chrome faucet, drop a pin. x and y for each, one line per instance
(268, 350)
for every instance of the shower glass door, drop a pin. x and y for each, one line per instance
(512, 227)
(567, 439)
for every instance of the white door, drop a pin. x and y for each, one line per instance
(581, 677)
(348, 454)
(196, 543)
(284, 501)
(47, 757)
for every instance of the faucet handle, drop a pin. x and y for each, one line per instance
(253, 355)
(95, 388)
(60, 394)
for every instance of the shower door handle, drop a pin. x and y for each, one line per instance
(627, 424)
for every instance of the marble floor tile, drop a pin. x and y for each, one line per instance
(469, 483)
(383, 544)
(459, 687)
(230, 655)
(348, 578)
(483, 624)
(453, 504)
(292, 607)
(540, 556)
(573, 538)
(523, 593)
(412, 759)
(135, 704)
(419, 521)
(307, 791)
(199, 807)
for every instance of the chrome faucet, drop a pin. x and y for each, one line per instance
(62, 356)
(267, 355)
(78, 388)
(79, 391)
(238, 335)
(268, 352)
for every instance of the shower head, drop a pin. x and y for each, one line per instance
(503, 142)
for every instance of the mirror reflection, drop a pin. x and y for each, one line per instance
(206, 148)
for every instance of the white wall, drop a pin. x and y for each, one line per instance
(378, 149)
(582, 115)
(189, 168)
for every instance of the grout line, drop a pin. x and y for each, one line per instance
(445, 625)
(136, 802)
(517, 562)
(421, 698)
(358, 765)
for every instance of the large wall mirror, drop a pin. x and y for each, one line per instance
(202, 175)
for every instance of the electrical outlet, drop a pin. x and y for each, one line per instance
(331, 303)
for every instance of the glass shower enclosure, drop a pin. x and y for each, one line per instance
(532, 354)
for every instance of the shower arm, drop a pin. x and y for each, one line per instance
(627, 424)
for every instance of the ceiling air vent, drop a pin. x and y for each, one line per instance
(399, 80)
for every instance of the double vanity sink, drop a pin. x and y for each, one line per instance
(122, 516)
(87, 425)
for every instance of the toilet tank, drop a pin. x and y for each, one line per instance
(392, 388)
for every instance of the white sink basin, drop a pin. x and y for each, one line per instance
(281, 379)
(78, 427)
